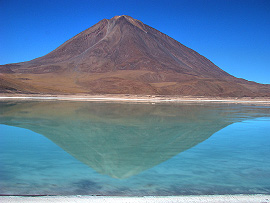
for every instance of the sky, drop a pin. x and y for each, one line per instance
(233, 34)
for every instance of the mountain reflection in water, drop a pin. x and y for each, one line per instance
(122, 140)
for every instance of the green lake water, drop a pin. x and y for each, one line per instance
(91, 148)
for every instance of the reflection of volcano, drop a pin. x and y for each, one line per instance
(122, 140)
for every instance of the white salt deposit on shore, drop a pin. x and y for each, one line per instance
(172, 199)
(132, 98)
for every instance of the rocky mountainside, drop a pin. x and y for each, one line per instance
(122, 55)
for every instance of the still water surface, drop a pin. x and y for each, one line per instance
(89, 148)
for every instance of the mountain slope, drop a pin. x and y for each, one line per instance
(123, 55)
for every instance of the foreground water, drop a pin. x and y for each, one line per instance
(88, 148)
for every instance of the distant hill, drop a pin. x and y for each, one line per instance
(122, 55)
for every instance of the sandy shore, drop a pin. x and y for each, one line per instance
(101, 199)
(136, 98)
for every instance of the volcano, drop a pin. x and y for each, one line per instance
(122, 55)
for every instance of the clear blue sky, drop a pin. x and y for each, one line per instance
(233, 34)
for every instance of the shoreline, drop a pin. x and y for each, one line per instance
(156, 199)
(137, 98)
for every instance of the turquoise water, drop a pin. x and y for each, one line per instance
(88, 148)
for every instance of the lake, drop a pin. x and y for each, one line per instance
(130, 149)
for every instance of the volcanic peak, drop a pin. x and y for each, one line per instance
(122, 55)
